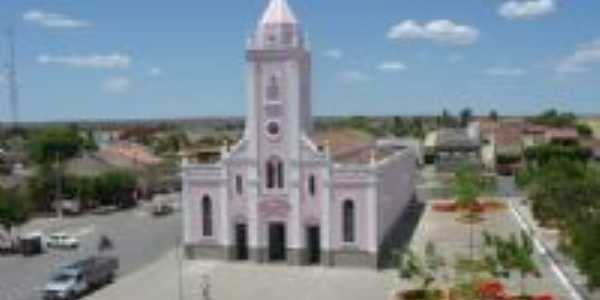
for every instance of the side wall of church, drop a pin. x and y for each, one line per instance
(396, 189)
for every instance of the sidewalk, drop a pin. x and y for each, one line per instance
(549, 240)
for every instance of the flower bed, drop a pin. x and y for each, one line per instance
(491, 290)
(484, 206)
(494, 290)
(420, 295)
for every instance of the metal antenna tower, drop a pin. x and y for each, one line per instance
(11, 72)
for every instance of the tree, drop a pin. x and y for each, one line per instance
(511, 254)
(468, 186)
(584, 130)
(466, 115)
(447, 120)
(48, 145)
(410, 265)
(116, 188)
(585, 249)
(494, 115)
(14, 209)
(553, 118)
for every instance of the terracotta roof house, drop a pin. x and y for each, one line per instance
(508, 141)
(562, 135)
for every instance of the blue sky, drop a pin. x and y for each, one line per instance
(185, 58)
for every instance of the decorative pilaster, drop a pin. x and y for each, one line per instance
(326, 211)
(372, 215)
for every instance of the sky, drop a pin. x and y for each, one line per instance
(115, 59)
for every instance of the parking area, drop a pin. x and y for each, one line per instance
(139, 240)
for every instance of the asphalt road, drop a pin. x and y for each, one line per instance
(138, 237)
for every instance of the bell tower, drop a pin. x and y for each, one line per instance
(279, 108)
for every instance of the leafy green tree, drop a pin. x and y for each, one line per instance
(511, 254)
(542, 154)
(116, 188)
(468, 186)
(57, 143)
(466, 115)
(585, 247)
(446, 119)
(584, 130)
(553, 118)
(41, 187)
(425, 268)
(494, 115)
(14, 209)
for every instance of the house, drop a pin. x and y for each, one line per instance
(562, 136)
(287, 193)
(454, 148)
(509, 149)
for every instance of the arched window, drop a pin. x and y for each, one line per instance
(207, 218)
(280, 175)
(271, 174)
(273, 89)
(349, 222)
(312, 185)
(239, 185)
(275, 174)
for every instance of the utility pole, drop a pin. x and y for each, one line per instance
(11, 70)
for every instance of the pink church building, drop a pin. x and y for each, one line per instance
(283, 192)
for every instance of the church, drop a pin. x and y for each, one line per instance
(284, 192)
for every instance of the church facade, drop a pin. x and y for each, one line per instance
(284, 192)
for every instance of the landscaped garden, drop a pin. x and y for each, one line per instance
(470, 247)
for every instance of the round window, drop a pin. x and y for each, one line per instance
(273, 128)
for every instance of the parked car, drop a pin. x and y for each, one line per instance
(104, 210)
(74, 280)
(160, 206)
(62, 240)
(31, 244)
(8, 245)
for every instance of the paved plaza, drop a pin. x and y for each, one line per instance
(234, 281)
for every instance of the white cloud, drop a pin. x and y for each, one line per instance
(155, 71)
(527, 10)
(392, 66)
(116, 85)
(53, 20)
(352, 76)
(505, 72)
(441, 31)
(334, 53)
(586, 54)
(95, 61)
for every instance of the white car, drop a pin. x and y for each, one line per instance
(62, 240)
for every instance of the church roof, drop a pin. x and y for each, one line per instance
(278, 12)
(350, 145)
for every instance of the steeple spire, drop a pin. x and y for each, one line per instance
(278, 12)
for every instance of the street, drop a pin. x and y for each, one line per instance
(138, 237)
